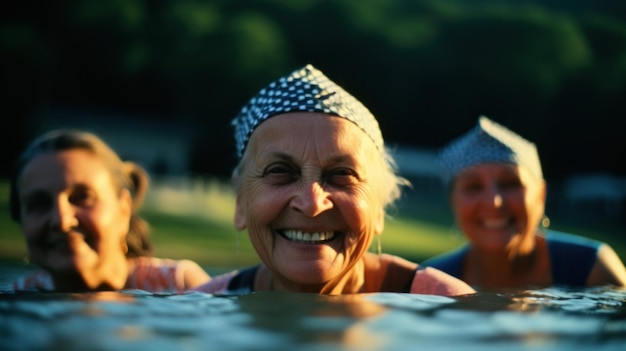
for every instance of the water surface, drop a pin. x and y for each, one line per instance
(546, 319)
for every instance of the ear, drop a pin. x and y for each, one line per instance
(240, 213)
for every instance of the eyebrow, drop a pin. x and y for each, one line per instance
(333, 160)
(282, 156)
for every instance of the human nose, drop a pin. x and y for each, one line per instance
(63, 215)
(312, 199)
(494, 196)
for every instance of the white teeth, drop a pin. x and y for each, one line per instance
(312, 237)
(495, 223)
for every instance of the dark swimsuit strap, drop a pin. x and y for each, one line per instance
(399, 278)
(244, 280)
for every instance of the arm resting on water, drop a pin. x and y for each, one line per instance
(192, 274)
(217, 284)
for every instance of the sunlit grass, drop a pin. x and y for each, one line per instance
(194, 220)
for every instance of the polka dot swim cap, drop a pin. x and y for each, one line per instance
(487, 142)
(304, 90)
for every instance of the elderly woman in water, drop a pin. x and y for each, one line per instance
(313, 183)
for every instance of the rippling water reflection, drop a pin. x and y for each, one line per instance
(548, 319)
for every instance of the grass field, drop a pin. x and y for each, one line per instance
(194, 220)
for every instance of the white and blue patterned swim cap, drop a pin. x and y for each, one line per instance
(304, 90)
(488, 142)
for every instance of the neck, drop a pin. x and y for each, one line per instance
(349, 283)
(520, 269)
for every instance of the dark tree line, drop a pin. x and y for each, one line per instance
(553, 70)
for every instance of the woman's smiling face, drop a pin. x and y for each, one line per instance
(309, 191)
(498, 206)
(74, 218)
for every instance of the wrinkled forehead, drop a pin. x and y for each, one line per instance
(324, 137)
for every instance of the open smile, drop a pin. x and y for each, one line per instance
(497, 224)
(311, 238)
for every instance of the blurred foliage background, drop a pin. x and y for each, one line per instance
(553, 70)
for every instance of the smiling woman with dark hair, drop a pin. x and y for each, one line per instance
(312, 184)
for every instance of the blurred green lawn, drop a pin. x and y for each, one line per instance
(213, 242)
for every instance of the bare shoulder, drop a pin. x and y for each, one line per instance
(216, 284)
(193, 274)
(388, 260)
(433, 281)
(608, 269)
(189, 264)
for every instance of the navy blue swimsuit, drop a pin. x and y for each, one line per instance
(571, 257)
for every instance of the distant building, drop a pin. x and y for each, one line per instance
(595, 194)
(163, 148)
(419, 166)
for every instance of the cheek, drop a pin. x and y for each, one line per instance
(121, 224)
(461, 208)
(33, 230)
(535, 207)
(362, 215)
(109, 227)
(261, 209)
(520, 203)
(262, 241)
(263, 205)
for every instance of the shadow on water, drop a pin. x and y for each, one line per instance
(547, 319)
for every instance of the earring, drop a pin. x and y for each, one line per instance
(544, 223)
